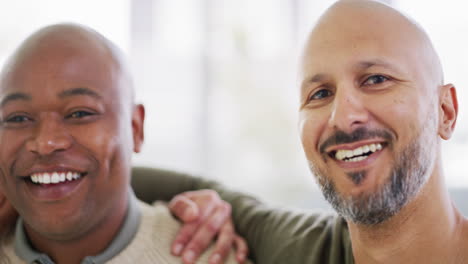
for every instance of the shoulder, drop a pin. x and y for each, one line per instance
(316, 238)
(7, 250)
(166, 227)
(152, 243)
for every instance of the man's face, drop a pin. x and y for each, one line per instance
(368, 117)
(66, 137)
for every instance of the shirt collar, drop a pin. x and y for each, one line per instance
(125, 235)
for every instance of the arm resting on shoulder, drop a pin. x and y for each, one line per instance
(273, 235)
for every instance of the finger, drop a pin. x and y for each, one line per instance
(184, 208)
(223, 244)
(185, 234)
(242, 250)
(206, 205)
(188, 230)
(205, 202)
(206, 193)
(206, 232)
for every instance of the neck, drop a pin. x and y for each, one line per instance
(429, 229)
(92, 243)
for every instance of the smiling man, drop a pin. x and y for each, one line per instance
(374, 110)
(370, 115)
(68, 127)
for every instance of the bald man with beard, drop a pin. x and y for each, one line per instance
(374, 110)
(68, 127)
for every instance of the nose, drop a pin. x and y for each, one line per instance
(50, 136)
(348, 110)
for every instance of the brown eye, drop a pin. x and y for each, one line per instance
(321, 94)
(375, 79)
(18, 119)
(79, 114)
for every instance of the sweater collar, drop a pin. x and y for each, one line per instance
(24, 249)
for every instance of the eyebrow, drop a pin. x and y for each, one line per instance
(319, 77)
(67, 93)
(14, 97)
(79, 91)
(362, 65)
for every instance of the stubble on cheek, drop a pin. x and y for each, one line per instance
(320, 174)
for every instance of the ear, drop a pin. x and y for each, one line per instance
(138, 119)
(448, 110)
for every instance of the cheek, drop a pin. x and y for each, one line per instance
(402, 114)
(310, 127)
(102, 138)
(108, 142)
(11, 142)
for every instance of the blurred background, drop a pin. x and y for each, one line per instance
(218, 79)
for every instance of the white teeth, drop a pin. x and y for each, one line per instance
(365, 149)
(355, 154)
(62, 177)
(340, 155)
(54, 177)
(358, 151)
(69, 176)
(34, 178)
(356, 159)
(46, 178)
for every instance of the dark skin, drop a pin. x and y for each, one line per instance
(8, 214)
(188, 210)
(66, 106)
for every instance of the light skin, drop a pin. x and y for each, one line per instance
(204, 215)
(66, 104)
(367, 67)
(359, 72)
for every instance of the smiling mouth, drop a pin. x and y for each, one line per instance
(52, 178)
(358, 154)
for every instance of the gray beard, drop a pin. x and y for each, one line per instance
(408, 175)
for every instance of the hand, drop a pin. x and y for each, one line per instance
(205, 215)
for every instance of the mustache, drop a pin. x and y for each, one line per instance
(362, 133)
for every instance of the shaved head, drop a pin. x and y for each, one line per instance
(371, 95)
(66, 39)
(349, 21)
(66, 106)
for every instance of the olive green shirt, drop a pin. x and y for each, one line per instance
(274, 235)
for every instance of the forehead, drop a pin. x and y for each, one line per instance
(346, 37)
(45, 69)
